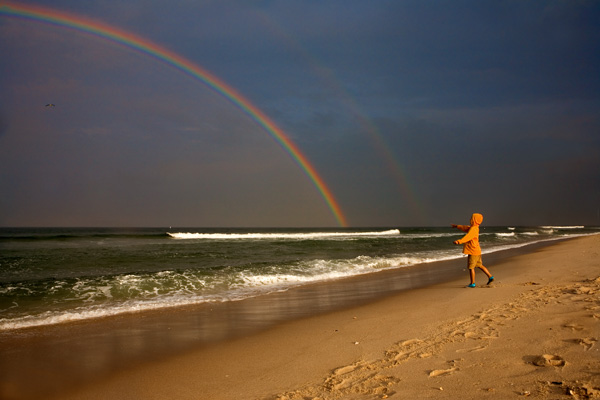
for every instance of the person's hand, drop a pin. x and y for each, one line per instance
(456, 242)
(454, 226)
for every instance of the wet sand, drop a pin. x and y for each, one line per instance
(411, 333)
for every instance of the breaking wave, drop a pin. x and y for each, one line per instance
(269, 236)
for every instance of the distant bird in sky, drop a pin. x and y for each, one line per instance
(50, 105)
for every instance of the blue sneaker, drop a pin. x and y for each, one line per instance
(490, 280)
(471, 285)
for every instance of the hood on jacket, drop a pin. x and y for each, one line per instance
(476, 219)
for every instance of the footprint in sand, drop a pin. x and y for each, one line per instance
(574, 327)
(472, 349)
(587, 343)
(439, 372)
(548, 360)
(411, 342)
(345, 370)
(453, 368)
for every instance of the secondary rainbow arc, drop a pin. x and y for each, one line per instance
(328, 77)
(182, 64)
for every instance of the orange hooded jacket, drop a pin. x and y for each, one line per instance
(471, 240)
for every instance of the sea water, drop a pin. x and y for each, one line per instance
(54, 275)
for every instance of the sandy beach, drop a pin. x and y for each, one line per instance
(532, 333)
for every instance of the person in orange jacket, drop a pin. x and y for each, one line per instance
(471, 247)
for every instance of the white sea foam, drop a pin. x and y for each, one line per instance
(55, 317)
(430, 235)
(563, 227)
(304, 236)
(244, 285)
(509, 234)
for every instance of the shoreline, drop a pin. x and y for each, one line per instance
(38, 319)
(263, 347)
(491, 254)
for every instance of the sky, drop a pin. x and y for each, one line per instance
(412, 112)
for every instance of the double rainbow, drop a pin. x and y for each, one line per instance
(147, 47)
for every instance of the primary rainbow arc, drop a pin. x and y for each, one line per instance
(182, 64)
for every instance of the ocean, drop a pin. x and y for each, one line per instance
(51, 276)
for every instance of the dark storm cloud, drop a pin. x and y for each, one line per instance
(414, 112)
(3, 124)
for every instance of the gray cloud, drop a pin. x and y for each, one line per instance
(413, 112)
